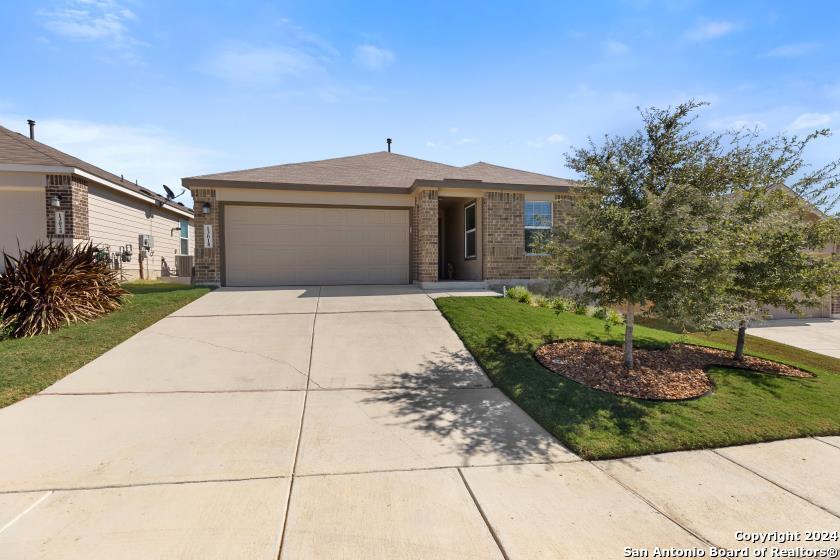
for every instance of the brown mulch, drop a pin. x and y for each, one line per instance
(675, 373)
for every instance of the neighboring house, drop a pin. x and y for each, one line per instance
(46, 194)
(830, 305)
(377, 218)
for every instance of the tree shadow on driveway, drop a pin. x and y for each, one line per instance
(480, 424)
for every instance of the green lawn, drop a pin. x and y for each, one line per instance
(745, 407)
(29, 365)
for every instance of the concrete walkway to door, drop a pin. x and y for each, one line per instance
(350, 422)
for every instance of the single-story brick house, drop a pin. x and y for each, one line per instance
(378, 218)
(46, 194)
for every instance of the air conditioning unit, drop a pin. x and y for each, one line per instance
(183, 265)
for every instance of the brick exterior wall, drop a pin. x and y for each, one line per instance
(208, 262)
(73, 192)
(503, 235)
(424, 236)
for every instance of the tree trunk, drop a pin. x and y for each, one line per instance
(742, 338)
(628, 337)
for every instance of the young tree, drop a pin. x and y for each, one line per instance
(641, 229)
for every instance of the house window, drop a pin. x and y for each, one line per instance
(469, 231)
(185, 237)
(537, 224)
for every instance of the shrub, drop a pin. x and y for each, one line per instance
(520, 294)
(580, 309)
(562, 304)
(608, 314)
(540, 300)
(599, 312)
(52, 285)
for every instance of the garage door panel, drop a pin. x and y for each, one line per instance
(307, 245)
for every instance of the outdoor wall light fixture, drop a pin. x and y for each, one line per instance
(205, 208)
(56, 201)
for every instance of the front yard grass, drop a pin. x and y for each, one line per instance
(29, 365)
(744, 408)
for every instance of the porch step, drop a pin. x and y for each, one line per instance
(454, 285)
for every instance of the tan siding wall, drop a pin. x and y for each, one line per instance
(118, 220)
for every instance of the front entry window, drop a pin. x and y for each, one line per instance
(469, 231)
(185, 237)
(537, 224)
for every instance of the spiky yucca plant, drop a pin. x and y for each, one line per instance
(51, 285)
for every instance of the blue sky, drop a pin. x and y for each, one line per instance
(160, 90)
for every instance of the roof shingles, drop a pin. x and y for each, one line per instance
(378, 169)
(17, 149)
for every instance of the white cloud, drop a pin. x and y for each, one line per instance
(758, 125)
(260, 65)
(374, 58)
(302, 36)
(792, 50)
(550, 139)
(710, 30)
(149, 154)
(466, 140)
(750, 121)
(811, 121)
(103, 21)
(615, 48)
(431, 144)
(454, 130)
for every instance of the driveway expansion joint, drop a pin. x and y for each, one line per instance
(821, 440)
(487, 524)
(655, 508)
(300, 430)
(774, 483)
(436, 468)
(143, 484)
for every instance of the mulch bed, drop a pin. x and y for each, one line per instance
(674, 373)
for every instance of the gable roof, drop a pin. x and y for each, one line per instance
(17, 149)
(374, 171)
(491, 173)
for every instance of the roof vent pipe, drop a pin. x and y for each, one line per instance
(388, 141)
(31, 129)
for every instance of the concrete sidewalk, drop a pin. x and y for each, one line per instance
(817, 335)
(350, 422)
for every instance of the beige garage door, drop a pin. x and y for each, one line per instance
(288, 245)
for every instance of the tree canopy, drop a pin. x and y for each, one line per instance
(688, 225)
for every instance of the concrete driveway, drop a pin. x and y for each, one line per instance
(350, 422)
(817, 335)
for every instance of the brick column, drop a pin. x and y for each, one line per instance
(73, 193)
(424, 236)
(208, 262)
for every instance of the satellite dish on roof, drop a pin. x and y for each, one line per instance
(171, 195)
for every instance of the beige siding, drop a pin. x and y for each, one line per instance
(23, 215)
(117, 220)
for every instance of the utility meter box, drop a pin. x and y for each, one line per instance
(146, 241)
